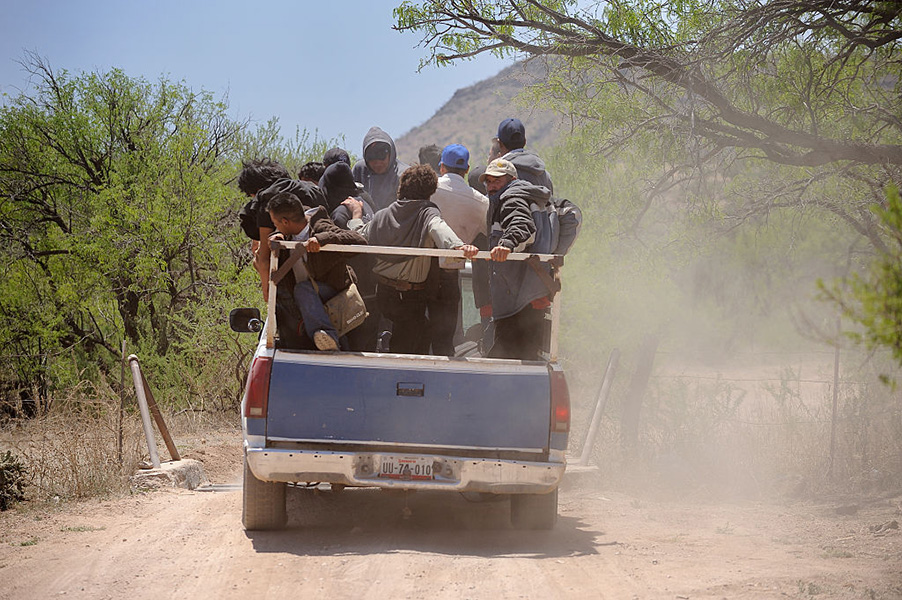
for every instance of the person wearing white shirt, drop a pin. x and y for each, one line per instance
(464, 210)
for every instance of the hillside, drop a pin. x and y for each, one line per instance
(472, 115)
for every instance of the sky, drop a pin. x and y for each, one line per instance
(334, 66)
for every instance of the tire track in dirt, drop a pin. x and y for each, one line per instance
(182, 544)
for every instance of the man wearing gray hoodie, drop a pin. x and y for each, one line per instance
(512, 144)
(380, 170)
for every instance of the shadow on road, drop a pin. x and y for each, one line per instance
(370, 521)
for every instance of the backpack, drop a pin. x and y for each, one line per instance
(570, 221)
(557, 226)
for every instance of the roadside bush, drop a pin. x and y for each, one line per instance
(12, 480)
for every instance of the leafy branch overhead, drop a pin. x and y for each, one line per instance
(801, 83)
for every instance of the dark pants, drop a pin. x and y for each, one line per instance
(288, 320)
(520, 336)
(443, 312)
(363, 337)
(407, 312)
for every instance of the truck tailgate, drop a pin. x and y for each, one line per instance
(409, 401)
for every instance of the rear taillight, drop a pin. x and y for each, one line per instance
(257, 394)
(560, 401)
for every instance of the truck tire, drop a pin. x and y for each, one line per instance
(534, 511)
(263, 503)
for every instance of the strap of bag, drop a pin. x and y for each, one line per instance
(293, 258)
(313, 281)
(552, 282)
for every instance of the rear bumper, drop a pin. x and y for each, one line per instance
(362, 468)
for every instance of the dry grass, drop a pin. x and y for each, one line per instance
(755, 435)
(73, 451)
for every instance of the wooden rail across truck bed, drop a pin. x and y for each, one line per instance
(555, 260)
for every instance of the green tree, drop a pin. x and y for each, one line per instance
(873, 299)
(785, 80)
(806, 89)
(114, 217)
(792, 107)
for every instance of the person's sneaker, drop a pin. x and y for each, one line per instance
(324, 341)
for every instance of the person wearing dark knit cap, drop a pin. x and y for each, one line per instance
(311, 171)
(341, 191)
(512, 140)
(334, 155)
(338, 184)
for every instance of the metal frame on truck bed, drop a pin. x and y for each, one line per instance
(555, 260)
(405, 422)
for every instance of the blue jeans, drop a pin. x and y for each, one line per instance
(312, 310)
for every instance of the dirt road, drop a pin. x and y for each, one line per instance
(190, 544)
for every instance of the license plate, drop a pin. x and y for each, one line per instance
(406, 468)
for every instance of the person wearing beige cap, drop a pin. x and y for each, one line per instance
(519, 296)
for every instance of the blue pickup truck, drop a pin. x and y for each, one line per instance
(402, 422)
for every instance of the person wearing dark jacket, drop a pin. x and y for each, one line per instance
(414, 222)
(519, 296)
(380, 170)
(311, 171)
(430, 155)
(512, 145)
(329, 270)
(256, 176)
(338, 185)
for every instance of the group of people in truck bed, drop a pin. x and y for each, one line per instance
(504, 207)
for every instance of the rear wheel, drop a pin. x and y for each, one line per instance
(534, 511)
(264, 502)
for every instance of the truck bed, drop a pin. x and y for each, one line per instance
(402, 422)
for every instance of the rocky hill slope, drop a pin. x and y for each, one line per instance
(472, 115)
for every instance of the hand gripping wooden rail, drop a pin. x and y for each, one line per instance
(297, 248)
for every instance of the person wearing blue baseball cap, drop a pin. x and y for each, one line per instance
(512, 142)
(464, 210)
